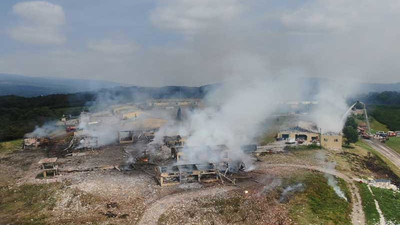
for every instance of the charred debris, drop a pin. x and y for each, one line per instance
(133, 129)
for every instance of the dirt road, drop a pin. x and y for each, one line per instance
(389, 153)
(154, 211)
(357, 215)
(150, 217)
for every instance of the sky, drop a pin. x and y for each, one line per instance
(197, 42)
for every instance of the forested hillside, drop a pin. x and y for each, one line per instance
(19, 115)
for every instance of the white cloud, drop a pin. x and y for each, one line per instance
(109, 46)
(40, 23)
(339, 15)
(190, 16)
(354, 39)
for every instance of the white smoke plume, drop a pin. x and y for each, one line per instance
(329, 113)
(234, 117)
(290, 190)
(321, 156)
(47, 130)
(104, 128)
(334, 184)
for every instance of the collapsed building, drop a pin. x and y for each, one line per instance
(299, 135)
(177, 174)
(34, 142)
(132, 136)
(44, 136)
(303, 133)
(212, 165)
(307, 133)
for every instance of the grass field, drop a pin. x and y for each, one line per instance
(377, 126)
(27, 204)
(371, 214)
(394, 143)
(319, 204)
(388, 115)
(389, 202)
(10, 146)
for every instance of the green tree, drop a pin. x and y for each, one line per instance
(350, 134)
(351, 122)
(359, 105)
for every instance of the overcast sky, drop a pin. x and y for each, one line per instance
(195, 42)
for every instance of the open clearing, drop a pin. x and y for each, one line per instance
(109, 196)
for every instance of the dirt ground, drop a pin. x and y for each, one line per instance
(95, 187)
(100, 194)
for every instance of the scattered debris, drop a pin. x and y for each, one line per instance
(112, 205)
(109, 214)
(48, 166)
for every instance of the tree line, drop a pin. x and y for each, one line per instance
(20, 115)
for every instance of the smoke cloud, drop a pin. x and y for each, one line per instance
(329, 113)
(48, 129)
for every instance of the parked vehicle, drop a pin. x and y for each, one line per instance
(291, 141)
(391, 134)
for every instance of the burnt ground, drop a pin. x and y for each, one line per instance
(372, 163)
(94, 187)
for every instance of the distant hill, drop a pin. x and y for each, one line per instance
(26, 86)
(311, 86)
(380, 87)
(380, 98)
(36, 86)
(20, 115)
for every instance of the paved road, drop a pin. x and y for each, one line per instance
(389, 153)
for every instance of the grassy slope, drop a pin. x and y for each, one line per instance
(26, 204)
(391, 166)
(394, 143)
(389, 202)
(371, 214)
(10, 146)
(388, 115)
(319, 204)
(377, 126)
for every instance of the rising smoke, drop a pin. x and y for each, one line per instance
(290, 191)
(234, 117)
(332, 105)
(47, 130)
(330, 166)
(258, 72)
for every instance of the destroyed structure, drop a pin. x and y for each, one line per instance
(188, 173)
(48, 166)
(34, 142)
(307, 133)
(175, 163)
